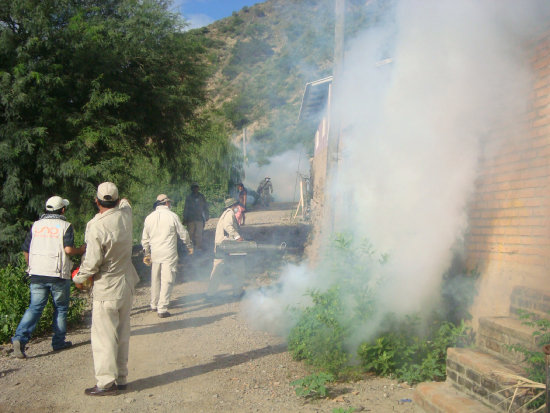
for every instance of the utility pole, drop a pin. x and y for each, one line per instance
(244, 144)
(333, 145)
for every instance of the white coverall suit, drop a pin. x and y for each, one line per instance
(108, 260)
(226, 229)
(160, 235)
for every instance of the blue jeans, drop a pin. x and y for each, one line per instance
(40, 291)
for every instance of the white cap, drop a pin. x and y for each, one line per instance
(55, 203)
(107, 191)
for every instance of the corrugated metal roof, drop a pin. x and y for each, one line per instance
(314, 101)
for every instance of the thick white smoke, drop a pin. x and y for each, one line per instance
(283, 170)
(418, 94)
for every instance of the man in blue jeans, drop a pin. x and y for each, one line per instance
(47, 248)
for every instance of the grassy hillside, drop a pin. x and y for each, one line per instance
(261, 58)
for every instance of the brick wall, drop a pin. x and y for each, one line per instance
(509, 235)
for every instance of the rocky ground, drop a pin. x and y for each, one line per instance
(204, 358)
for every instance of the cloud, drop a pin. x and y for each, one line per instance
(198, 20)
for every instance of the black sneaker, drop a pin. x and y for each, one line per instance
(18, 350)
(65, 345)
(164, 315)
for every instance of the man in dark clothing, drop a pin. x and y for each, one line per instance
(195, 214)
(47, 248)
(242, 203)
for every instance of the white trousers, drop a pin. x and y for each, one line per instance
(111, 339)
(229, 270)
(163, 276)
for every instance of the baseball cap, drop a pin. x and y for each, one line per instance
(55, 203)
(107, 191)
(163, 198)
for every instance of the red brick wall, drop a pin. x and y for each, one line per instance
(509, 233)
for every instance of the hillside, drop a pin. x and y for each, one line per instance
(261, 58)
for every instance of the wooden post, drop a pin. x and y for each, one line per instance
(334, 122)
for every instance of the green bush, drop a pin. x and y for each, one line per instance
(313, 386)
(324, 328)
(15, 298)
(324, 332)
(405, 354)
(318, 337)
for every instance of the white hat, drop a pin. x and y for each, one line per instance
(55, 203)
(107, 191)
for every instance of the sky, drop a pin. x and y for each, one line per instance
(201, 13)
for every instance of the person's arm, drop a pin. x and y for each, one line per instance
(186, 210)
(146, 238)
(68, 243)
(230, 226)
(146, 243)
(92, 260)
(205, 211)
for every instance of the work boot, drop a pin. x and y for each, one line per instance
(18, 350)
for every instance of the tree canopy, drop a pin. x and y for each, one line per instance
(90, 90)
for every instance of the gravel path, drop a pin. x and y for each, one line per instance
(204, 358)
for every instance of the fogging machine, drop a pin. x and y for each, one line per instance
(230, 248)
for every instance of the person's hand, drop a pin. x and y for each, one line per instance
(240, 239)
(82, 249)
(86, 285)
(191, 250)
(147, 260)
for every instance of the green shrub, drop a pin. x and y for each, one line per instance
(318, 337)
(323, 334)
(15, 298)
(405, 354)
(324, 328)
(313, 386)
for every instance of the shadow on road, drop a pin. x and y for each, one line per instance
(166, 326)
(220, 362)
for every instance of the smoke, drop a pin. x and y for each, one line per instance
(419, 94)
(283, 170)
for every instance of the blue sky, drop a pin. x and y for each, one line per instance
(203, 12)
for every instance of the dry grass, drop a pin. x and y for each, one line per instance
(522, 387)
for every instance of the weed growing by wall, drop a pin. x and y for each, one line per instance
(404, 347)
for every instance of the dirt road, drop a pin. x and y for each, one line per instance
(204, 358)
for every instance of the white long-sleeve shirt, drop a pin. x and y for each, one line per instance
(227, 227)
(160, 235)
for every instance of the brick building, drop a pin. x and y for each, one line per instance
(508, 240)
(509, 233)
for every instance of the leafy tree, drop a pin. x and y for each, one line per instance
(85, 88)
